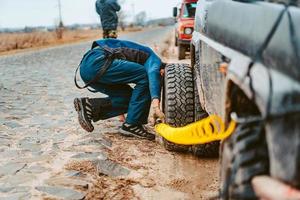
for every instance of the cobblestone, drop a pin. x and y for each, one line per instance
(62, 192)
(11, 168)
(110, 168)
(17, 196)
(90, 156)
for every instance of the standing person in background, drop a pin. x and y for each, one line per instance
(107, 9)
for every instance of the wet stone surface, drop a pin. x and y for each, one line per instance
(72, 173)
(11, 168)
(16, 196)
(90, 156)
(61, 192)
(110, 168)
(39, 132)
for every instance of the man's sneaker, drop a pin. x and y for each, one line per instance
(136, 131)
(84, 110)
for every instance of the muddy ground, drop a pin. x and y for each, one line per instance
(44, 154)
(156, 173)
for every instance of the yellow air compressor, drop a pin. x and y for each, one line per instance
(204, 131)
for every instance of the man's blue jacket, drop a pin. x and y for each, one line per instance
(107, 10)
(140, 54)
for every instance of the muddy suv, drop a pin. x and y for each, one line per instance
(245, 66)
(184, 26)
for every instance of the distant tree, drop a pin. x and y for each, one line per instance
(28, 29)
(140, 18)
(122, 15)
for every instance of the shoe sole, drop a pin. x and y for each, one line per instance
(129, 134)
(83, 124)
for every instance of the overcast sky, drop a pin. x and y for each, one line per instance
(21, 13)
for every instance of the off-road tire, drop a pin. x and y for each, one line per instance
(244, 156)
(211, 149)
(193, 57)
(178, 100)
(202, 150)
(181, 52)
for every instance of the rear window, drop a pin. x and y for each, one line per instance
(189, 10)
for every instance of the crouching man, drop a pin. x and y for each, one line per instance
(109, 67)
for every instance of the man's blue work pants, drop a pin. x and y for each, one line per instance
(114, 83)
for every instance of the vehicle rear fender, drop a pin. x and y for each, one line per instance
(255, 82)
(266, 86)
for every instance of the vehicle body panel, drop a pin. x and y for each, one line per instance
(224, 26)
(220, 33)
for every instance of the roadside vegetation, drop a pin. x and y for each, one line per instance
(16, 41)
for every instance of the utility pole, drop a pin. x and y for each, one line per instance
(60, 16)
(60, 28)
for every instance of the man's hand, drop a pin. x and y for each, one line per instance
(156, 113)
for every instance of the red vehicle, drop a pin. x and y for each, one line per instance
(184, 26)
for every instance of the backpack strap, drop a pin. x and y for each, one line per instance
(110, 55)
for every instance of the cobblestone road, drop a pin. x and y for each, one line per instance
(39, 132)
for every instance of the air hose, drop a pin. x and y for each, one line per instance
(204, 131)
